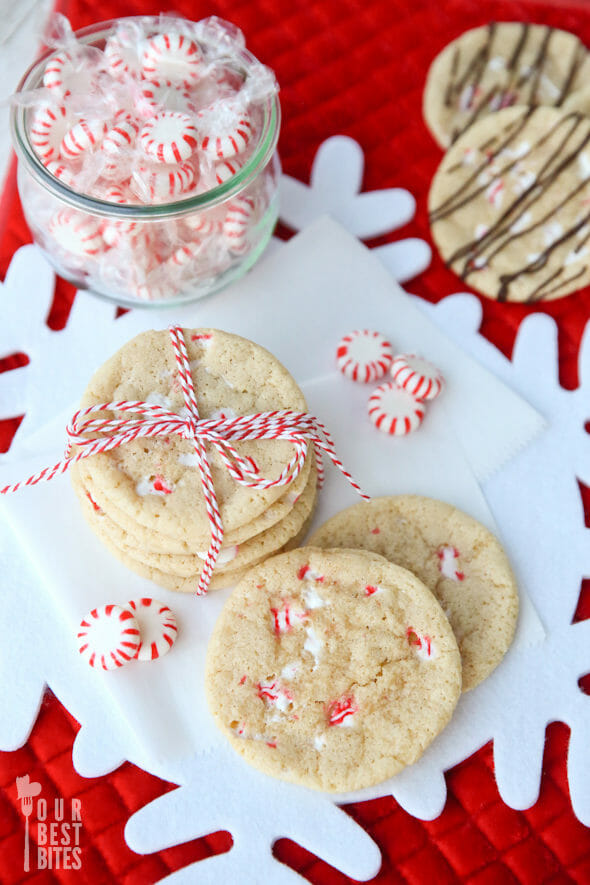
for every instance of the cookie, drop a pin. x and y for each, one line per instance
(314, 675)
(154, 481)
(135, 535)
(232, 557)
(510, 205)
(456, 557)
(497, 66)
(225, 577)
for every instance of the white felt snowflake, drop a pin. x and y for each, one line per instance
(537, 504)
(335, 188)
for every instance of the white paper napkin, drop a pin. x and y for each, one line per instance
(298, 304)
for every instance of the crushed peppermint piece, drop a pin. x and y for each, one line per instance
(342, 711)
(446, 564)
(314, 645)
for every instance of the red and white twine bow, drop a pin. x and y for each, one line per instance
(297, 428)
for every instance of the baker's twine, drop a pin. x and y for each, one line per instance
(297, 428)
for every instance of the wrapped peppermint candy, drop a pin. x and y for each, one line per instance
(147, 163)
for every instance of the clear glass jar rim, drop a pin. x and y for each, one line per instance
(207, 200)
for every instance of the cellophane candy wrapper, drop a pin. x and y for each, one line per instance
(149, 171)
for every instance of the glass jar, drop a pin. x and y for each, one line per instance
(140, 253)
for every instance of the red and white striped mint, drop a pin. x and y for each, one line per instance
(226, 170)
(202, 224)
(395, 411)
(65, 74)
(48, 127)
(364, 355)
(157, 627)
(183, 256)
(62, 173)
(166, 182)
(121, 54)
(57, 73)
(162, 96)
(121, 136)
(226, 137)
(108, 637)
(169, 137)
(417, 376)
(239, 219)
(76, 234)
(84, 136)
(172, 56)
(113, 231)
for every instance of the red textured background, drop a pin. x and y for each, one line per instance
(355, 68)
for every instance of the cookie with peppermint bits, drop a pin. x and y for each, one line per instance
(332, 668)
(133, 534)
(224, 576)
(455, 556)
(186, 568)
(156, 482)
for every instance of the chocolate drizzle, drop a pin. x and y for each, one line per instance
(521, 87)
(567, 138)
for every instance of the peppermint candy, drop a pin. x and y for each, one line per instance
(84, 136)
(239, 219)
(364, 356)
(166, 181)
(172, 57)
(157, 627)
(202, 224)
(184, 254)
(395, 411)
(121, 55)
(417, 376)
(121, 136)
(169, 137)
(162, 95)
(108, 637)
(233, 136)
(49, 125)
(62, 173)
(113, 231)
(57, 73)
(77, 235)
(226, 170)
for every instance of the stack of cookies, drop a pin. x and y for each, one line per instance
(144, 499)
(509, 202)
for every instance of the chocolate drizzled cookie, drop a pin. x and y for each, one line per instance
(498, 66)
(510, 204)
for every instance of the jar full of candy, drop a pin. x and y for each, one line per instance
(147, 164)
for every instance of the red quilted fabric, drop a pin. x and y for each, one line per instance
(354, 67)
